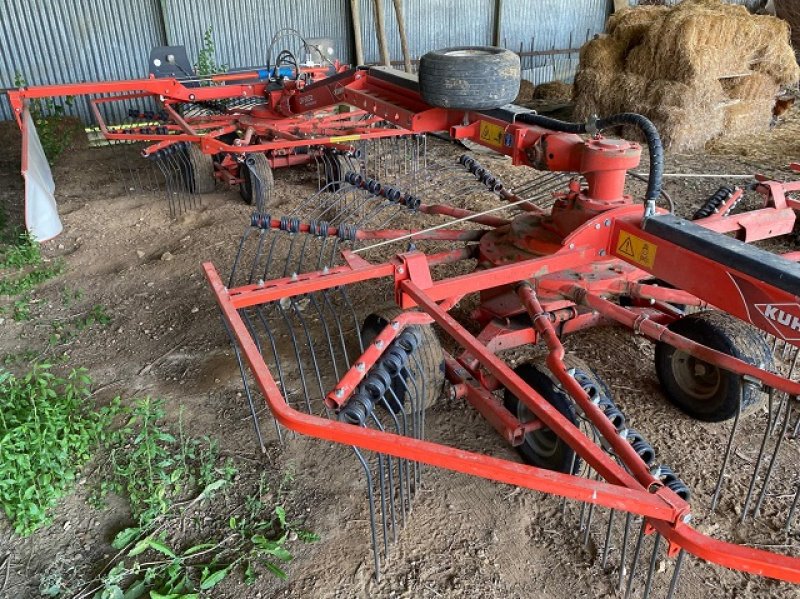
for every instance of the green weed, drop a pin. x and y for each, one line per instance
(207, 57)
(64, 331)
(48, 430)
(152, 468)
(256, 540)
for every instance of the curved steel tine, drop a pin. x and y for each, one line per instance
(727, 455)
(607, 543)
(275, 355)
(389, 482)
(624, 550)
(774, 458)
(757, 466)
(310, 342)
(790, 515)
(300, 361)
(167, 189)
(402, 470)
(588, 525)
(637, 549)
(652, 567)
(262, 236)
(676, 574)
(371, 499)
(247, 391)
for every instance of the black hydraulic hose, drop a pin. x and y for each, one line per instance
(645, 125)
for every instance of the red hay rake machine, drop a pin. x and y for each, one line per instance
(303, 307)
(232, 128)
(342, 315)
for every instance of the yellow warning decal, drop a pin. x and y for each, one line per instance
(636, 249)
(491, 134)
(344, 138)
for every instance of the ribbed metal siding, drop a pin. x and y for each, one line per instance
(430, 24)
(525, 25)
(242, 30)
(547, 25)
(55, 41)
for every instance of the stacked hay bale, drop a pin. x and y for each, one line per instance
(699, 70)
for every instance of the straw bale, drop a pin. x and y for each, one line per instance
(704, 39)
(603, 53)
(629, 25)
(698, 70)
(747, 117)
(554, 91)
(755, 86)
(525, 94)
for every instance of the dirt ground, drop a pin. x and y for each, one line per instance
(465, 537)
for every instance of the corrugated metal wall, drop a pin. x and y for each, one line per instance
(430, 24)
(525, 26)
(54, 41)
(243, 29)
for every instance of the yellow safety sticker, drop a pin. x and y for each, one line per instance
(636, 249)
(344, 138)
(491, 134)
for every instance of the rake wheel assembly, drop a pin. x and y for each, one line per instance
(201, 170)
(431, 364)
(257, 181)
(702, 390)
(569, 252)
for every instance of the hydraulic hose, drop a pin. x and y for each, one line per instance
(645, 125)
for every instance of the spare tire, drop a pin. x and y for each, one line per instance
(469, 77)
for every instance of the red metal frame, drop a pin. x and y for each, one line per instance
(559, 269)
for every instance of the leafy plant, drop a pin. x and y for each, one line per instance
(48, 430)
(56, 132)
(22, 309)
(17, 285)
(152, 468)
(257, 539)
(66, 330)
(25, 252)
(25, 256)
(207, 57)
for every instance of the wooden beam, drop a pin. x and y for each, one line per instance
(380, 32)
(401, 28)
(355, 13)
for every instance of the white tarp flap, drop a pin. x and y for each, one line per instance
(41, 212)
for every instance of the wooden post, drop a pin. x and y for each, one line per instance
(401, 28)
(498, 22)
(355, 12)
(380, 32)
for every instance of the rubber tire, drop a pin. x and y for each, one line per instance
(541, 380)
(335, 167)
(201, 176)
(469, 77)
(264, 172)
(431, 355)
(724, 333)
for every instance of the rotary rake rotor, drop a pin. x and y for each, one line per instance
(412, 273)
